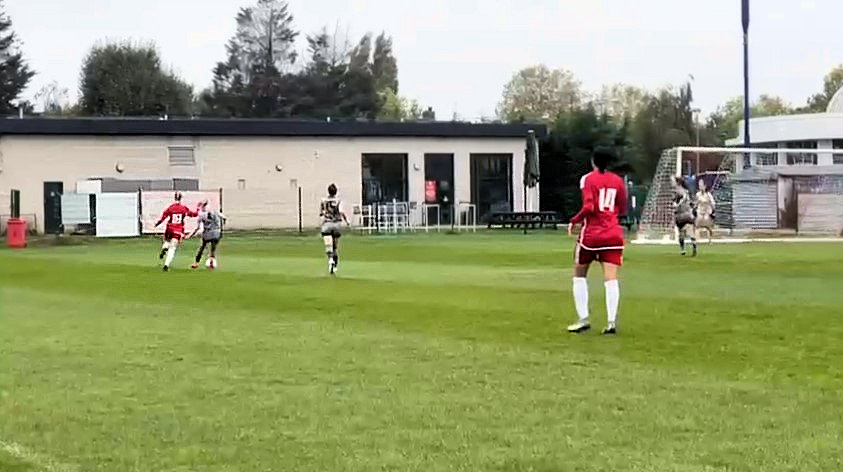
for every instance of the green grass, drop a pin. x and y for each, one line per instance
(428, 353)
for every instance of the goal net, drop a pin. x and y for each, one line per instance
(759, 193)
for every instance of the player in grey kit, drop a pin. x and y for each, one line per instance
(210, 223)
(684, 213)
(332, 219)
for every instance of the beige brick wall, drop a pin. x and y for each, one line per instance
(269, 198)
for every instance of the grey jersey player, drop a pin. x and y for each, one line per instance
(210, 224)
(684, 212)
(330, 210)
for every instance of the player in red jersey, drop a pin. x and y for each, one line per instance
(174, 215)
(601, 239)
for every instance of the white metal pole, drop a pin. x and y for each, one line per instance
(678, 174)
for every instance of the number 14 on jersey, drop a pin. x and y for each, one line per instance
(606, 199)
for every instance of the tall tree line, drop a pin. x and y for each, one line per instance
(652, 120)
(15, 74)
(263, 76)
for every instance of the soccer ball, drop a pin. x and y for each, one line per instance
(211, 263)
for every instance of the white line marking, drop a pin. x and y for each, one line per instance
(742, 240)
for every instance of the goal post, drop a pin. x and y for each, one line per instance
(759, 192)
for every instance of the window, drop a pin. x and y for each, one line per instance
(439, 183)
(181, 156)
(491, 184)
(384, 178)
(838, 144)
(241, 184)
(766, 159)
(801, 158)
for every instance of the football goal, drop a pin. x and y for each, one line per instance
(760, 193)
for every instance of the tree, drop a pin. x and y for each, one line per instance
(832, 82)
(724, 121)
(254, 79)
(397, 108)
(264, 39)
(15, 74)
(358, 95)
(770, 105)
(361, 55)
(384, 65)
(665, 121)
(538, 93)
(621, 101)
(566, 155)
(337, 81)
(52, 98)
(126, 79)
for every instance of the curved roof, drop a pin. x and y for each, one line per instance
(835, 105)
(783, 128)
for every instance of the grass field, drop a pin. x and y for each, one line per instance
(428, 353)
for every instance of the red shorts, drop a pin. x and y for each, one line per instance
(169, 235)
(583, 256)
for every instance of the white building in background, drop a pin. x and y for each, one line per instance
(820, 131)
(787, 190)
(260, 166)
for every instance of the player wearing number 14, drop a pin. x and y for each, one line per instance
(601, 239)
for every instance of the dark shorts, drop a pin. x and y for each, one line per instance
(583, 256)
(684, 220)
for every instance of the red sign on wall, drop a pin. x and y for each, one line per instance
(430, 191)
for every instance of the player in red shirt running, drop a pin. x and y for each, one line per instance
(174, 215)
(601, 239)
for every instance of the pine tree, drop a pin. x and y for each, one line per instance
(384, 65)
(15, 74)
(264, 39)
(254, 78)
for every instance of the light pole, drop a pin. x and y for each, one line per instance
(696, 112)
(747, 160)
(745, 25)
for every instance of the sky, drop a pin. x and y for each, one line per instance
(457, 55)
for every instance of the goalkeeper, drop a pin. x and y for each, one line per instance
(684, 215)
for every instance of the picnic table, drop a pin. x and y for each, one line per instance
(524, 219)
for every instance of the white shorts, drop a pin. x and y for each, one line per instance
(332, 229)
(704, 221)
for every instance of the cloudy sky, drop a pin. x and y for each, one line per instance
(456, 55)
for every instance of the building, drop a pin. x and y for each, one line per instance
(262, 165)
(786, 190)
(821, 131)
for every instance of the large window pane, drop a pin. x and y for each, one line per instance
(801, 158)
(491, 183)
(439, 184)
(384, 178)
(837, 144)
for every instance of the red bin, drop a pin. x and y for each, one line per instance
(16, 233)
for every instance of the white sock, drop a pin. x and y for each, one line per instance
(581, 297)
(171, 254)
(613, 298)
(165, 246)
